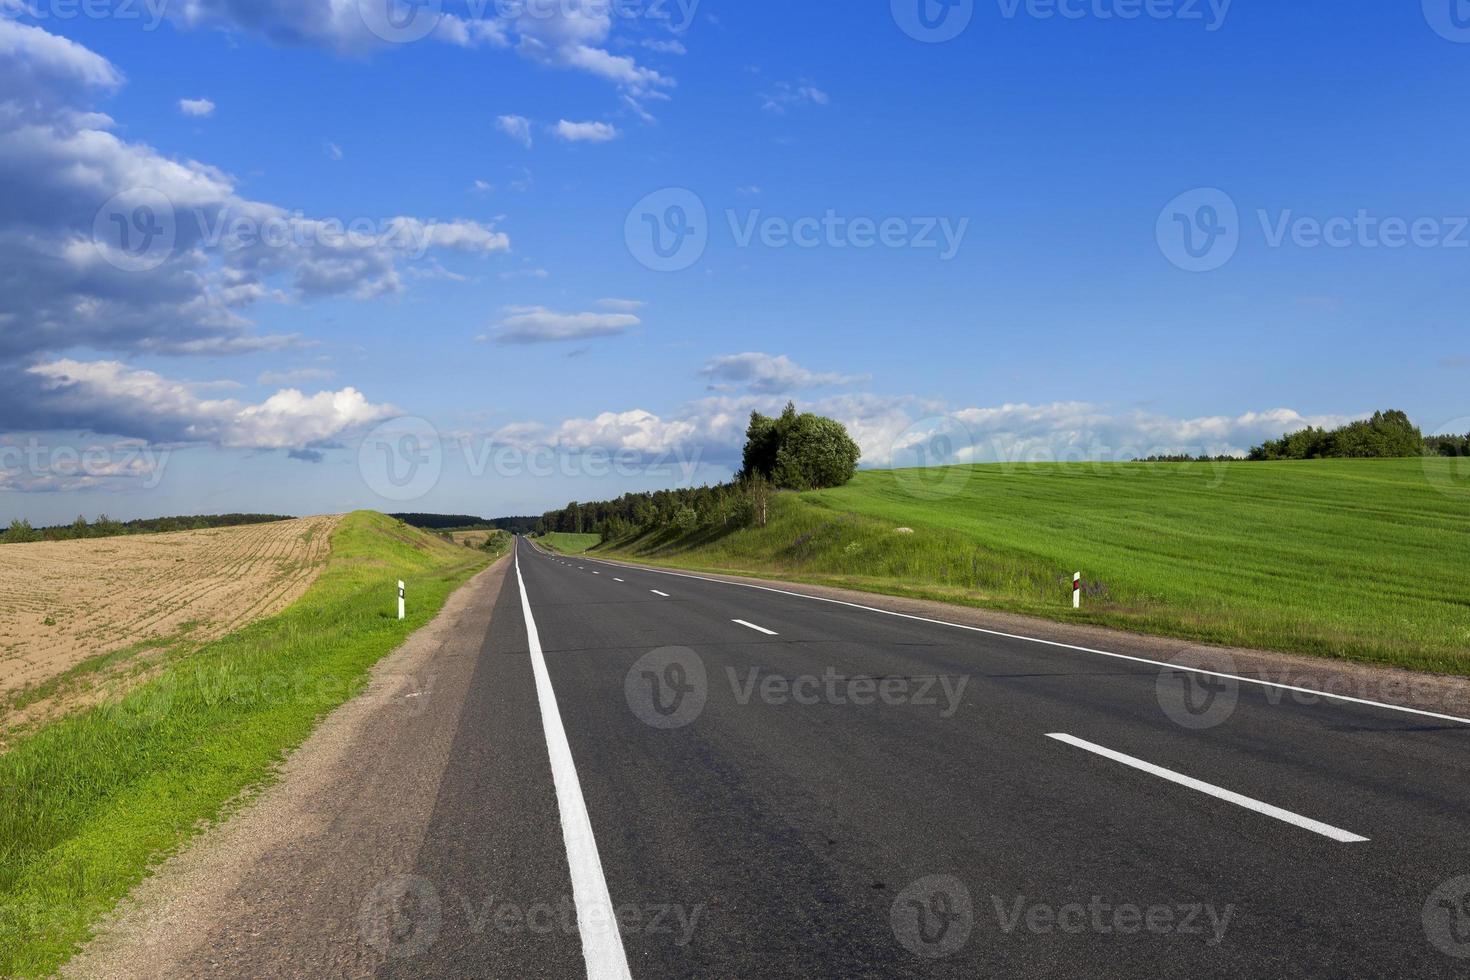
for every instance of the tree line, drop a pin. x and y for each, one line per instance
(793, 451)
(1387, 435)
(21, 531)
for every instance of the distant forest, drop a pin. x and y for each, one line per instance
(1387, 435)
(466, 522)
(21, 532)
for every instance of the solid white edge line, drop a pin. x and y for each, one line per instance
(1295, 819)
(758, 629)
(602, 944)
(1052, 643)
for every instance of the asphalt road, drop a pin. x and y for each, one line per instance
(717, 781)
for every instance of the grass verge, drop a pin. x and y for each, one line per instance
(91, 802)
(1359, 559)
(570, 544)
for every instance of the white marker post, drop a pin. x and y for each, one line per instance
(1077, 591)
(401, 610)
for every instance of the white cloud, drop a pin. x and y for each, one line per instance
(585, 132)
(622, 305)
(538, 325)
(276, 379)
(197, 108)
(790, 95)
(35, 64)
(569, 35)
(64, 171)
(149, 406)
(517, 128)
(459, 235)
(665, 47)
(890, 429)
(768, 375)
(333, 151)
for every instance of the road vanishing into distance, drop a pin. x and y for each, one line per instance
(751, 783)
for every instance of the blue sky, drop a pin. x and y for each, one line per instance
(1034, 177)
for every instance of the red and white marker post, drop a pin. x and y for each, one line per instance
(1077, 591)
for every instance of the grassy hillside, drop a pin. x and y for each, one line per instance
(1367, 559)
(90, 802)
(569, 544)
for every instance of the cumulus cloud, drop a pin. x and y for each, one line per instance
(556, 33)
(110, 397)
(517, 128)
(276, 379)
(902, 430)
(109, 244)
(768, 375)
(791, 95)
(196, 108)
(585, 132)
(539, 325)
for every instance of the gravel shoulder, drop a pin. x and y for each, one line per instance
(279, 888)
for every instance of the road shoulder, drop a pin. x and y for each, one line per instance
(278, 888)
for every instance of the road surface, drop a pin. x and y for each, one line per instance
(766, 785)
(583, 769)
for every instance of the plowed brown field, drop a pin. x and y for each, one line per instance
(67, 602)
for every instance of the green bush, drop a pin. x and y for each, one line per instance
(799, 451)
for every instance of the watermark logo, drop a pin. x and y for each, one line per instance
(1101, 917)
(944, 692)
(933, 21)
(1450, 475)
(927, 458)
(667, 688)
(668, 231)
(136, 230)
(933, 917)
(401, 21)
(145, 707)
(1191, 696)
(1450, 19)
(1447, 918)
(1199, 231)
(401, 917)
(402, 459)
(1209, 13)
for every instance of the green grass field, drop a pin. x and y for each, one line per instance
(1363, 559)
(570, 544)
(89, 803)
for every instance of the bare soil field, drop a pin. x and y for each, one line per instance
(475, 539)
(73, 613)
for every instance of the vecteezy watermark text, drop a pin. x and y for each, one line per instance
(938, 21)
(37, 466)
(150, 13)
(404, 458)
(670, 229)
(1201, 230)
(404, 916)
(670, 687)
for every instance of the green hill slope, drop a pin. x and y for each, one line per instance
(1367, 559)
